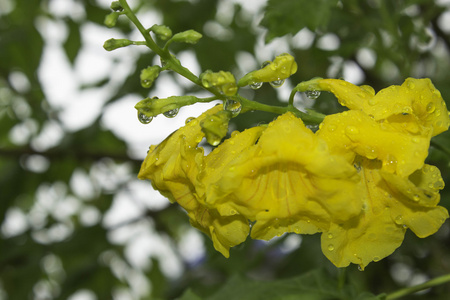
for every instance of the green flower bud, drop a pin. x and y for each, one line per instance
(163, 32)
(224, 81)
(149, 75)
(151, 107)
(189, 36)
(281, 68)
(215, 127)
(113, 44)
(116, 6)
(111, 19)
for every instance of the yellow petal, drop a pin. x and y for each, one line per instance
(391, 205)
(416, 97)
(225, 232)
(285, 182)
(353, 132)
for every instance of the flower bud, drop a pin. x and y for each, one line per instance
(224, 81)
(111, 19)
(149, 75)
(153, 106)
(163, 32)
(281, 68)
(215, 127)
(116, 6)
(189, 36)
(113, 44)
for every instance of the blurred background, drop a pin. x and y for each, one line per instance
(75, 223)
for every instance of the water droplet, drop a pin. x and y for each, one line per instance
(143, 118)
(330, 235)
(351, 130)
(233, 212)
(330, 247)
(266, 63)
(188, 120)
(430, 107)
(360, 268)
(277, 83)
(399, 219)
(233, 106)
(373, 101)
(332, 127)
(416, 197)
(171, 113)
(376, 258)
(312, 94)
(256, 85)
(371, 153)
(411, 85)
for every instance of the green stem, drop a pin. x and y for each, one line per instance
(413, 289)
(173, 63)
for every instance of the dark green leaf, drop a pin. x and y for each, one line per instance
(73, 43)
(285, 16)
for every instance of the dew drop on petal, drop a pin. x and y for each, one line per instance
(373, 101)
(188, 120)
(330, 235)
(143, 118)
(330, 247)
(277, 83)
(312, 94)
(256, 85)
(430, 107)
(351, 130)
(399, 219)
(171, 113)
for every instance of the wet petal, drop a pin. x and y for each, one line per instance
(285, 182)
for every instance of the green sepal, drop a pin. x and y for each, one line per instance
(111, 19)
(153, 107)
(163, 32)
(116, 6)
(188, 36)
(223, 81)
(149, 75)
(215, 127)
(113, 44)
(282, 67)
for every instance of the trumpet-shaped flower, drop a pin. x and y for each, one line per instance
(287, 182)
(173, 166)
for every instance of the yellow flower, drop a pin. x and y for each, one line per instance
(287, 182)
(173, 167)
(391, 204)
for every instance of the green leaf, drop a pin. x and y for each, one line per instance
(189, 295)
(284, 16)
(313, 285)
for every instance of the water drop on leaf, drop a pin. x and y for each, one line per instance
(143, 118)
(171, 113)
(312, 94)
(233, 106)
(256, 85)
(277, 83)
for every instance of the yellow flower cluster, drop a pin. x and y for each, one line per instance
(360, 179)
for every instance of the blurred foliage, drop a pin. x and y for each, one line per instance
(57, 254)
